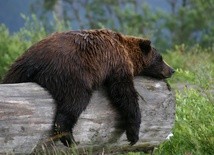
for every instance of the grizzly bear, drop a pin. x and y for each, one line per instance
(71, 65)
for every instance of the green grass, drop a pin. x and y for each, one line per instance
(193, 130)
(194, 86)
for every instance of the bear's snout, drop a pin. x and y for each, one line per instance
(172, 71)
(167, 72)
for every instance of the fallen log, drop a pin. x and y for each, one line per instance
(27, 111)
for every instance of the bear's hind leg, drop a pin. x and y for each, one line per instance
(124, 97)
(68, 113)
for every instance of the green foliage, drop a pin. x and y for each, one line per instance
(194, 84)
(191, 63)
(193, 130)
(116, 15)
(190, 22)
(13, 45)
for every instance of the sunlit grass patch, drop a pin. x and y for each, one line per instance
(193, 131)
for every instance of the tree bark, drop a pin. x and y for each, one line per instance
(27, 111)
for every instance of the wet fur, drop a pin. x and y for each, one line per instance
(71, 65)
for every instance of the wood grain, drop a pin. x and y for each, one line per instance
(27, 111)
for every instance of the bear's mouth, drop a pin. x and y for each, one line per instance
(162, 76)
(165, 77)
(157, 76)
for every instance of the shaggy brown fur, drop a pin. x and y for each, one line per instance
(70, 65)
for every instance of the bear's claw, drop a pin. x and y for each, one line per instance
(132, 133)
(68, 139)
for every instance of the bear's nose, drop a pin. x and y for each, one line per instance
(172, 71)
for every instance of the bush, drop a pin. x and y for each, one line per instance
(13, 45)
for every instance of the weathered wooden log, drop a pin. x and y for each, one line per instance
(27, 111)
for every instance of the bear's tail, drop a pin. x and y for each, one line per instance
(19, 72)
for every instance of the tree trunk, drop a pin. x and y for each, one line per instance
(27, 111)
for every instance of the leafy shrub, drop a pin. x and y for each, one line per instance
(13, 45)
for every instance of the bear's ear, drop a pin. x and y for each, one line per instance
(145, 46)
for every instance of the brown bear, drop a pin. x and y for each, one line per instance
(71, 65)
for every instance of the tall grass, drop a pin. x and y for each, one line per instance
(194, 85)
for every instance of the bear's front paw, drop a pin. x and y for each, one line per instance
(67, 139)
(132, 133)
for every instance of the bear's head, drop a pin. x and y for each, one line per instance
(154, 65)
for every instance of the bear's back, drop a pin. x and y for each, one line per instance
(92, 42)
(87, 55)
